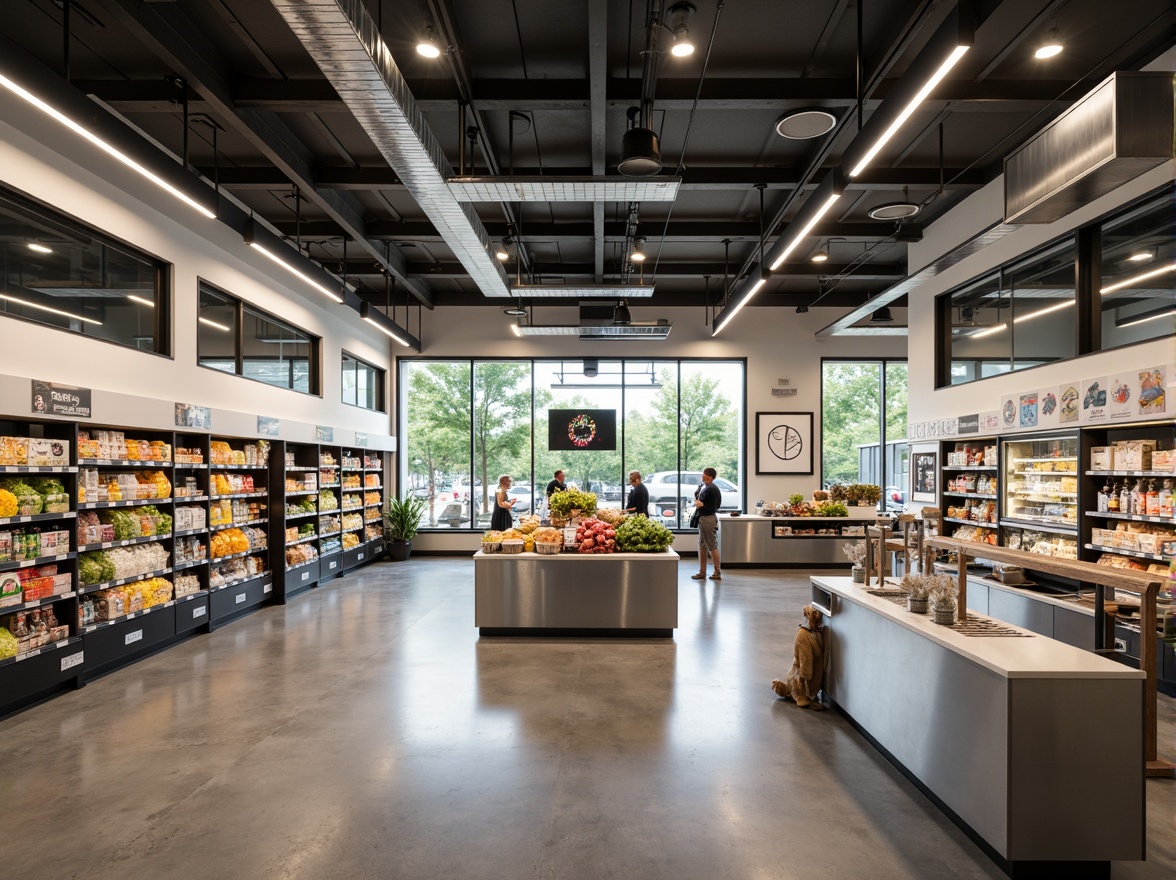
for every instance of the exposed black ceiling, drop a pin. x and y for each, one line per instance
(563, 75)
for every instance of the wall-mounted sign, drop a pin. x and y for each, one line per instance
(969, 424)
(324, 433)
(188, 415)
(60, 400)
(268, 426)
(360, 439)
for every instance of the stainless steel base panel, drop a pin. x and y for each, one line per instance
(605, 592)
(1042, 769)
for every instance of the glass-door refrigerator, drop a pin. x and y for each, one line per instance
(1039, 495)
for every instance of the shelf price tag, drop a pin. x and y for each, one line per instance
(132, 637)
(199, 612)
(72, 660)
(239, 599)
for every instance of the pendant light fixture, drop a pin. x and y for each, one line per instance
(683, 46)
(427, 45)
(1051, 47)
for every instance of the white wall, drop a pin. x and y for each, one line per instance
(48, 162)
(778, 343)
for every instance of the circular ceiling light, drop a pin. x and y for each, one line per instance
(515, 311)
(427, 46)
(894, 211)
(1049, 50)
(801, 125)
(820, 256)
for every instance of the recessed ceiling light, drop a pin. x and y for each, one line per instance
(801, 125)
(515, 311)
(1051, 47)
(894, 211)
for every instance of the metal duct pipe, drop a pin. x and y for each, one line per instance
(345, 43)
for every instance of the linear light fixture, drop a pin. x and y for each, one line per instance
(1127, 282)
(41, 249)
(824, 197)
(1143, 318)
(988, 331)
(581, 291)
(33, 305)
(107, 148)
(731, 311)
(208, 322)
(945, 48)
(387, 326)
(256, 239)
(141, 301)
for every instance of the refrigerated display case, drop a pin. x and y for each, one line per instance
(1039, 498)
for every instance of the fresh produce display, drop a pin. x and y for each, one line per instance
(9, 647)
(52, 491)
(352, 521)
(640, 534)
(8, 504)
(528, 523)
(305, 505)
(139, 522)
(232, 541)
(99, 566)
(119, 601)
(595, 536)
(350, 539)
(28, 500)
(328, 501)
(611, 515)
(562, 504)
(351, 502)
(832, 508)
(517, 534)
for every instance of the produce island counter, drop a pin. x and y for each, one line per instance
(753, 541)
(632, 595)
(1034, 747)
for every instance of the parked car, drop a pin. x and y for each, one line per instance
(668, 492)
(895, 499)
(526, 498)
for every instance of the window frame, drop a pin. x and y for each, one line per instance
(313, 360)
(381, 383)
(888, 479)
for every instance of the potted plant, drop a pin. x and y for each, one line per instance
(837, 493)
(871, 494)
(856, 553)
(795, 499)
(401, 521)
(853, 494)
(820, 495)
(943, 599)
(917, 587)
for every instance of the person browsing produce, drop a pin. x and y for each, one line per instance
(707, 501)
(502, 519)
(638, 496)
(556, 485)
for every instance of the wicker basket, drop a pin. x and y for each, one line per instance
(548, 549)
(491, 546)
(512, 546)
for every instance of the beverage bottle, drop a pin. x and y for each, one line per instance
(1125, 498)
(1101, 507)
(1166, 499)
(1113, 499)
(1152, 504)
(1138, 499)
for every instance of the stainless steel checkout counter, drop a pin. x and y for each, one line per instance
(1035, 748)
(632, 595)
(751, 541)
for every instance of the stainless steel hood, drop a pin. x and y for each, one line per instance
(345, 43)
(1118, 131)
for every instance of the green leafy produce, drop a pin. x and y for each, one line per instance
(163, 520)
(8, 644)
(795, 499)
(126, 525)
(19, 487)
(832, 508)
(640, 534)
(563, 503)
(49, 486)
(95, 567)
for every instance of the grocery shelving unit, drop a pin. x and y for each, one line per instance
(240, 579)
(57, 664)
(330, 518)
(1039, 506)
(362, 505)
(969, 489)
(190, 509)
(299, 517)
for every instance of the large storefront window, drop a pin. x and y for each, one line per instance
(864, 426)
(1138, 290)
(58, 272)
(467, 422)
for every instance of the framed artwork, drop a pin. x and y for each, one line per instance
(784, 443)
(924, 475)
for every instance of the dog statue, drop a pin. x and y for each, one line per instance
(804, 679)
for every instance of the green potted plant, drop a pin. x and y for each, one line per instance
(871, 494)
(837, 493)
(401, 521)
(853, 494)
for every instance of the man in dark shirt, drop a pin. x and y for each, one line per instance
(556, 485)
(638, 496)
(707, 501)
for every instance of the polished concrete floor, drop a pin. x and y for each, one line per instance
(364, 730)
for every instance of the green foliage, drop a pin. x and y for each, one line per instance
(832, 508)
(563, 503)
(851, 412)
(639, 534)
(403, 517)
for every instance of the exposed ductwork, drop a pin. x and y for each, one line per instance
(345, 43)
(1121, 129)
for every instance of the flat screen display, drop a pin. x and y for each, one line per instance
(572, 430)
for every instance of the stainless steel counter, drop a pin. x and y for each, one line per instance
(1036, 746)
(749, 540)
(608, 593)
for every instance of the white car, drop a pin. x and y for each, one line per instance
(669, 493)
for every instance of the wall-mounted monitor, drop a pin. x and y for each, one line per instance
(572, 430)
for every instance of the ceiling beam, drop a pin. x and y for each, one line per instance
(500, 95)
(696, 178)
(167, 31)
(598, 96)
(679, 230)
(665, 269)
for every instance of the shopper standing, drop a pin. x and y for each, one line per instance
(707, 501)
(556, 485)
(638, 496)
(502, 519)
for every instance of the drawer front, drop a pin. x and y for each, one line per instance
(191, 614)
(121, 641)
